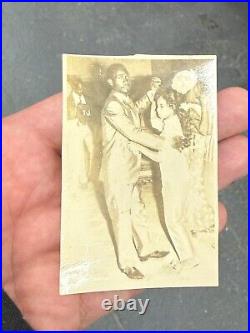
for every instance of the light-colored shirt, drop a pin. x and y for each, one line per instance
(78, 99)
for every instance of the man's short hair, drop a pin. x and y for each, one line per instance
(113, 69)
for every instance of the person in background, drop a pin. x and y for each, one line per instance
(192, 110)
(81, 138)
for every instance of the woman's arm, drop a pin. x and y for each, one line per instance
(153, 155)
(115, 115)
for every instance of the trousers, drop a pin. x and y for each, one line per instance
(131, 230)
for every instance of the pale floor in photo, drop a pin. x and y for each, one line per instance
(89, 262)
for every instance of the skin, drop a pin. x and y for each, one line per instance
(31, 208)
(79, 89)
(163, 109)
(120, 82)
(155, 83)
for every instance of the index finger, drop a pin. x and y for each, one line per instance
(232, 112)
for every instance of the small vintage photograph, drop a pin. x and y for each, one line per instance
(139, 173)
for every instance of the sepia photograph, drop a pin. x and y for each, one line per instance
(124, 166)
(139, 173)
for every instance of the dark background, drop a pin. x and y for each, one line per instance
(34, 37)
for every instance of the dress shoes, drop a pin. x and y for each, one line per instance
(133, 273)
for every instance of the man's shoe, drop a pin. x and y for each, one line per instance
(133, 273)
(155, 254)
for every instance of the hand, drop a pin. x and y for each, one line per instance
(31, 208)
(155, 83)
(134, 147)
(154, 86)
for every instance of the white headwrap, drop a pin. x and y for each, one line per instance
(184, 81)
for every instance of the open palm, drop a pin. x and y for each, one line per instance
(31, 208)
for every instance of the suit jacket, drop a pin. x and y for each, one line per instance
(120, 125)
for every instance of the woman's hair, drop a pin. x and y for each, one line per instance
(166, 93)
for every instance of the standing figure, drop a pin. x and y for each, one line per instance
(79, 117)
(120, 172)
(194, 118)
(174, 171)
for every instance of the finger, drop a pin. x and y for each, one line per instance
(222, 216)
(233, 160)
(49, 119)
(232, 112)
(44, 118)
